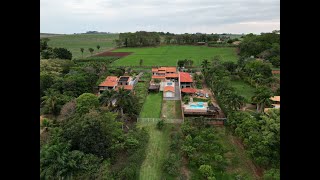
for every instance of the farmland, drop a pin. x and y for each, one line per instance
(169, 55)
(74, 42)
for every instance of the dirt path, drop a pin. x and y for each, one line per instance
(184, 170)
(258, 172)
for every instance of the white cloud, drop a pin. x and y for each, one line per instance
(69, 16)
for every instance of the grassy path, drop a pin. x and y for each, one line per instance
(152, 106)
(157, 149)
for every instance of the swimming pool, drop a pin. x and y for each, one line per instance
(196, 106)
(169, 83)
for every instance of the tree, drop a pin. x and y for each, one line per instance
(262, 98)
(62, 53)
(47, 53)
(140, 62)
(157, 81)
(206, 171)
(53, 101)
(98, 47)
(82, 49)
(67, 110)
(85, 102)
(94, 132)
(43, 44)
(107, 97)
(272, 174)
(91, 50)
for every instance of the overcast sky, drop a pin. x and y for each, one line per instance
(177, 16)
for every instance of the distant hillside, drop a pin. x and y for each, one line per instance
(44, 35)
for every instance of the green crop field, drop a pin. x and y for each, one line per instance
(169, 55)
(243, 89)
(152, 106)
(74, 42)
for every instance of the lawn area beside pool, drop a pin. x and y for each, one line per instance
(243, 89)
(169, 55)
(171, 110)
(152, 106)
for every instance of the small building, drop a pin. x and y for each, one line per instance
(168, 91)
(124, 80)
(185, 80)
(276, 103)
(188, 90)
(109, 83)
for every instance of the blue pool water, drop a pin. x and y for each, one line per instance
(169, 83)
(196, 106)
(200, 103)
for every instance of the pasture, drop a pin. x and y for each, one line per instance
(74, 42)
(169, 55)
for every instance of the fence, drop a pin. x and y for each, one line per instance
(155, 120)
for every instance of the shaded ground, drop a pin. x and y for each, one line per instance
(239, 162)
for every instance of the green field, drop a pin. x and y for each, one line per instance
(171, 109)
(157, 149)
(243, 89)
(77, 41)
(152, 106)
(169, 55)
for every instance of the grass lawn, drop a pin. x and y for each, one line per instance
(169, 55)
(152, 106)
(171, 109)
(158, 147)
(239, 162)
(243, 89)
(74, 42)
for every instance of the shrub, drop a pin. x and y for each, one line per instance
(160, 124)
(206, 171)
(171, 165)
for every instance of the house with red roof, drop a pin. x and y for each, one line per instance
(185, 80)
(169, 90)
(109, 83)
(165, 73)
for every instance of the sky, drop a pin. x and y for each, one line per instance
(175, 16)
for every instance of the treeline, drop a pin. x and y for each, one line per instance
(85, 134)
(138, 39)
(259, 132)
(47, 52)
(261, 138)
(265, 46)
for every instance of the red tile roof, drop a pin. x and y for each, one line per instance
(169, 88)
(185, 77)
(126, 87)
(110, 81)
(173, 75)
(171, 69)
(158, 77)
(154, 69)
(188, 90)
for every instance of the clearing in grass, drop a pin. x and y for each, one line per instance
(74, 42)
(243, 89)
(152, 106)
(169, 55)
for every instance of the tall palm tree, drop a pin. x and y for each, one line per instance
(205, 65)
(107, 97)
(261, 97)
(50, 100)
(123, 100)
(236, 101)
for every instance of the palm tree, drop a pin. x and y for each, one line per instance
(261, 97)
(82, 49)
(123, 100)
(236, 101)
(204, 65)
(107, 97)
(50, 100)
(98, 47)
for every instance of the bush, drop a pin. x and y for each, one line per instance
(160, 124)
(206, 171)
(171, 165)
